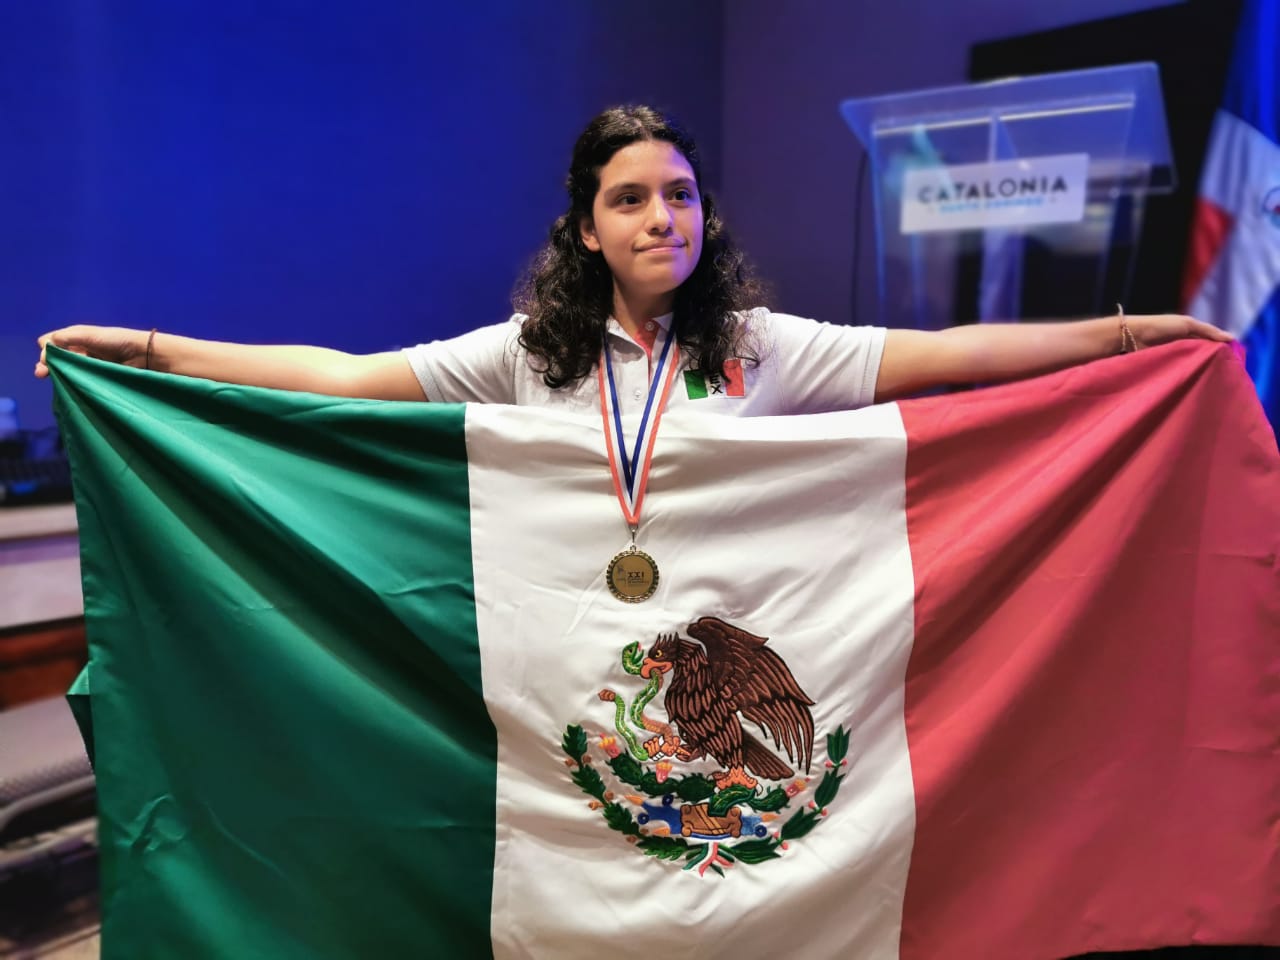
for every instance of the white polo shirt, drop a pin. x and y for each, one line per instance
(804, 367)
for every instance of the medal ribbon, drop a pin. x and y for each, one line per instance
(630, 472)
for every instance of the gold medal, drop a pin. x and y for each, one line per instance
(632, 575)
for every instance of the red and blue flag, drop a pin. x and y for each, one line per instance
(1233, 266)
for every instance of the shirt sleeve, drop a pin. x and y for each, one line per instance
(819, 367)
(478, 367)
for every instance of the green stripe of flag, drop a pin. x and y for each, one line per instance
(695, 384)
(364, 829)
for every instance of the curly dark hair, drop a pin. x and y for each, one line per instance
(567, 293)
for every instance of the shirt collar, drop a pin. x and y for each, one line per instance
(614, 328)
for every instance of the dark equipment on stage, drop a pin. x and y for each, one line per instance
(33, 469)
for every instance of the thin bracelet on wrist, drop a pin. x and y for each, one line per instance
(1128, 343)
(151, 341)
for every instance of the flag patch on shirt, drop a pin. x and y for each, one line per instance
(701, 385)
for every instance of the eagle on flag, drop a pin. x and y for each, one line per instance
(731, 672)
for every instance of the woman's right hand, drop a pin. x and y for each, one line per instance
(117, 344)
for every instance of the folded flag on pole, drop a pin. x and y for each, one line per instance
(1232, 277)
(992, 675)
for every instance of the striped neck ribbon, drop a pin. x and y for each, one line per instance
(631, 470)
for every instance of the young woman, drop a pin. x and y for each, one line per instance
(641, 257)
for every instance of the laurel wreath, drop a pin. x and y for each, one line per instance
(695, 788)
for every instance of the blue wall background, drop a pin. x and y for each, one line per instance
(361, 176)
(368, 175)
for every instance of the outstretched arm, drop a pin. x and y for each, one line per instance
(916, 360)
(377, 376)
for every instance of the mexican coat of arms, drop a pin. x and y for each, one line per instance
(741, 812)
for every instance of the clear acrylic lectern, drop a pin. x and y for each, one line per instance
(1018, 198)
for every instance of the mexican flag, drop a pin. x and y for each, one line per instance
(699, 384)
(989, 675)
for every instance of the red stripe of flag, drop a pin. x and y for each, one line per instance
(735, 385)
(1209, 228)
(1093, 697)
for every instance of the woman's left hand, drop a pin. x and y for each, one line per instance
(1155, 329)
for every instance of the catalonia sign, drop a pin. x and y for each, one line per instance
(1011, 193)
